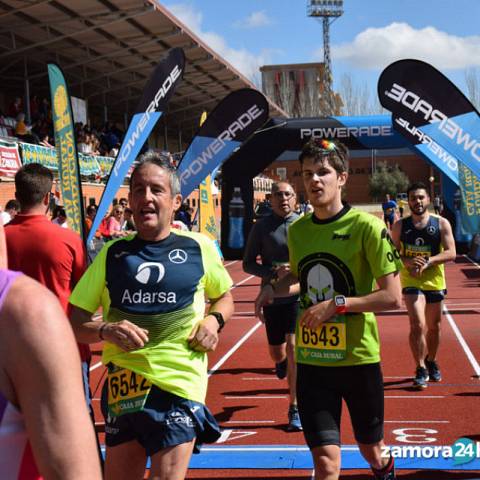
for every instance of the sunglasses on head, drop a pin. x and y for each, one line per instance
(326, 146)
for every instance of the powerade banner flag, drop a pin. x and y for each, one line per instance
(430, 110)
(232, 121)
(158, 91)
(68, 166)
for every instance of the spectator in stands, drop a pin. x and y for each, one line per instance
(40, 127)
(128, 222)
(45, 110)
(21, 128)
(44, 141)
(183, 214)
(60, 217)
(12, 207)
(83, 145)
(94, 145)
(91, 211)
(114, 151)
(114, 223)
(15, 108)
(34, 108)
(123, 202)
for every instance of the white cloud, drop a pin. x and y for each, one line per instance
(244, 61)
(255, 20)
(375, 48)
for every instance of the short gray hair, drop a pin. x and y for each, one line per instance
(276, 186)
(162, 161)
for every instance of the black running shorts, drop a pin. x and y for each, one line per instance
(320, 391)
(279, 321)
(431, 296)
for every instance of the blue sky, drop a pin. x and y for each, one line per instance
(370, 35)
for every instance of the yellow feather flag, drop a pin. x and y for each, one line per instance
(208, 223)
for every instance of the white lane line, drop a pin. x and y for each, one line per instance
(463, 343)
(414, 396)
(255, 397)
(406, 377)
(416, 421)
(234, 349)
(243, 281)
(248, 421)
(231, 263)
(459, 304)
(261, 378)
(471, 261)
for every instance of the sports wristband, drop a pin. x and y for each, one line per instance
(100, 331)
(220, 320)
(340, 304)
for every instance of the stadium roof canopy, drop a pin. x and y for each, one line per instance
(107, 50)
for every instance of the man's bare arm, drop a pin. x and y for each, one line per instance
(204, 336)
(124, 334)
(387, 297)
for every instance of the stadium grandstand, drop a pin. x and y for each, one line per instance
(107, 51)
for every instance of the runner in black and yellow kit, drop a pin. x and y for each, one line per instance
(425, 242)
(152, 288)
(337, 254)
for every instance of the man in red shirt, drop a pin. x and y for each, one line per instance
(52, 255)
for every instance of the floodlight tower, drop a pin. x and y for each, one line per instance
(328, 11)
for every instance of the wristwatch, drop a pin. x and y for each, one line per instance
(220, 320)
(340, 304)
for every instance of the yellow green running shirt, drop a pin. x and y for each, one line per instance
(160, 286)
(342, 255)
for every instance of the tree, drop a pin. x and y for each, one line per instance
(358, 99)
(387, 179)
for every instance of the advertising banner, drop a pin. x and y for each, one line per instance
(65, 143)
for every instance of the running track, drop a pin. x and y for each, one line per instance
(250, 403)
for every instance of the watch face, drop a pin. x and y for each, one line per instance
(340, 301)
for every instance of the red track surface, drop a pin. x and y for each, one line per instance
(250, 403)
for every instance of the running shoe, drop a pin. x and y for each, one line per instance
(294, 423)
(388, 473)
(421, 378)
(386, 476)
(281, 369)
(433, 370)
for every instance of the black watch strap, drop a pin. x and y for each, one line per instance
(220, 320)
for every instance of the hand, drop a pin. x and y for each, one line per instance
(317, 314)
(204, 336)
(417, 266)
(265, 297)
(125, 335)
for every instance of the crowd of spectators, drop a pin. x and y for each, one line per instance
(91, 140)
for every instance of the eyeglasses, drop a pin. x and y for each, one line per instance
(281, 194)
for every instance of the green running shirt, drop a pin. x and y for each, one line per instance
(341, 255)
(160, 286)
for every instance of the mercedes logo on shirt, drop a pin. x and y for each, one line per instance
(178, 256)
(150, 273)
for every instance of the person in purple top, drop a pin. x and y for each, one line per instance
(42, 402)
